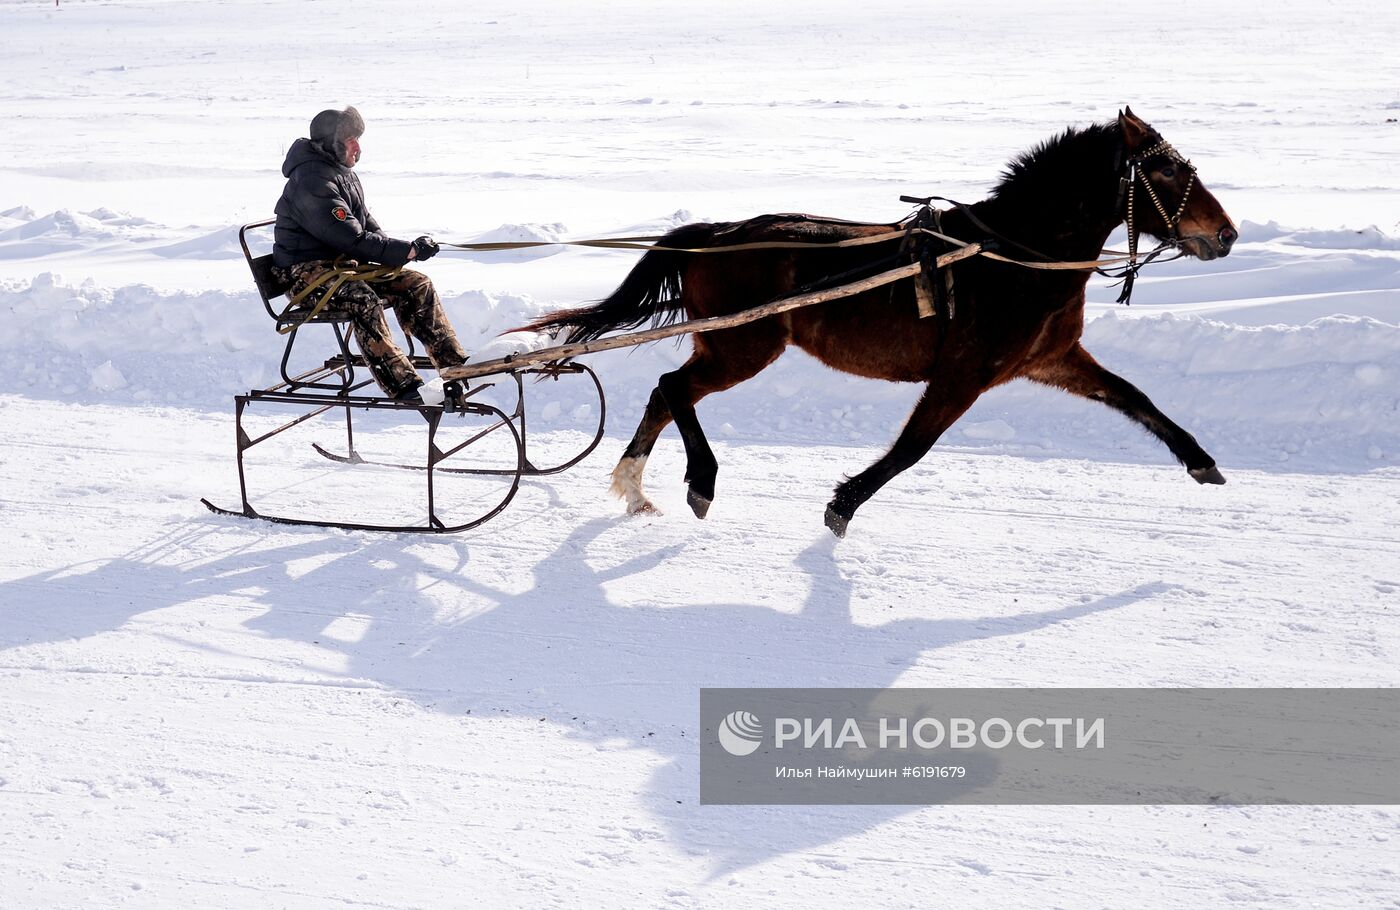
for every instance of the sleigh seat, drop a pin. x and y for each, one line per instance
(334, 373)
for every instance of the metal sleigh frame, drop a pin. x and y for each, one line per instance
(333, 385)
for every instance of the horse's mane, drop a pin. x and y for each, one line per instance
(1069, 162)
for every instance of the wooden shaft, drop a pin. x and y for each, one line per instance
(527, 359)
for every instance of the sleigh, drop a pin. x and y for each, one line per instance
(478, 435)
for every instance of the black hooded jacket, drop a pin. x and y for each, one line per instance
(322, 213)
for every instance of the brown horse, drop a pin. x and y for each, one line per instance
(1060, 202)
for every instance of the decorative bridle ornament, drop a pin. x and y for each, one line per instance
(1128, 187)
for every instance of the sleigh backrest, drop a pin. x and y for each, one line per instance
(269, 288)
(273, 292)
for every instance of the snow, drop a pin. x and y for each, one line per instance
(202, 711)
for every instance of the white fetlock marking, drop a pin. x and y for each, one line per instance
(627, 484)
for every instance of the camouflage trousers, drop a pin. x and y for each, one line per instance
(415, 302)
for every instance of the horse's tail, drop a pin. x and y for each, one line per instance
(650, 292)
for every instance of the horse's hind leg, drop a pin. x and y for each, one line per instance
(721, 360)
(934, 413)
(1078, 372)
(681, 392)
(627, 476)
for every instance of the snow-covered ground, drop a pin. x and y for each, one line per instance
(205, 712)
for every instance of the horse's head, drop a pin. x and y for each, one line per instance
(1163, 197)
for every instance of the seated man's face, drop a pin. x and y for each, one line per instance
(352, 152)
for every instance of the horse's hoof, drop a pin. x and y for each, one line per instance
(698, 504)
(1207, 475)
(646, 508)
(836, 521)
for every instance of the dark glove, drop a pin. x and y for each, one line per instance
(424, 247)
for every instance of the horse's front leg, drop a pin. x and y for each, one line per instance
(934, 413)
(1078, 372)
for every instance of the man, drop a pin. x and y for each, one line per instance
(321, 216)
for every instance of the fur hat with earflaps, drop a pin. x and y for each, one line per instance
(331, 129)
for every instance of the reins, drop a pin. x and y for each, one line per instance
(1049, 264)
(333, 278)
(652, 243)
(915, 225)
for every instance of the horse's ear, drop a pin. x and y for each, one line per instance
(1133, 129)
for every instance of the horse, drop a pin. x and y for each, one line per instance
(1059, 201)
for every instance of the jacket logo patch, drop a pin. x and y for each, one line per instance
(339, 213)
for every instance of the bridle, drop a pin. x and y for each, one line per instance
(1131, 173)
(1127, 187)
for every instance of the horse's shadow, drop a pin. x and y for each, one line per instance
(558, 648)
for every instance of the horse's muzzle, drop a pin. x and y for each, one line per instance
(1226, 238)
(1206, 247)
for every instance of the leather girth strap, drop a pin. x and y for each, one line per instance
(933, 287)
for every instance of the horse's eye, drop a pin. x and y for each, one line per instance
(1169, 172)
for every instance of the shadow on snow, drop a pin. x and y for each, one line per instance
(561, 650)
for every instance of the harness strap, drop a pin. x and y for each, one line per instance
(1084, 266)
(916, 249)
(926, 287)
(943, 289)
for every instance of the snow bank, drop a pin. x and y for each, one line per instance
(220, 244)
(25, 235)
(1246, 352)
(1320, 396)
(1368, 238)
